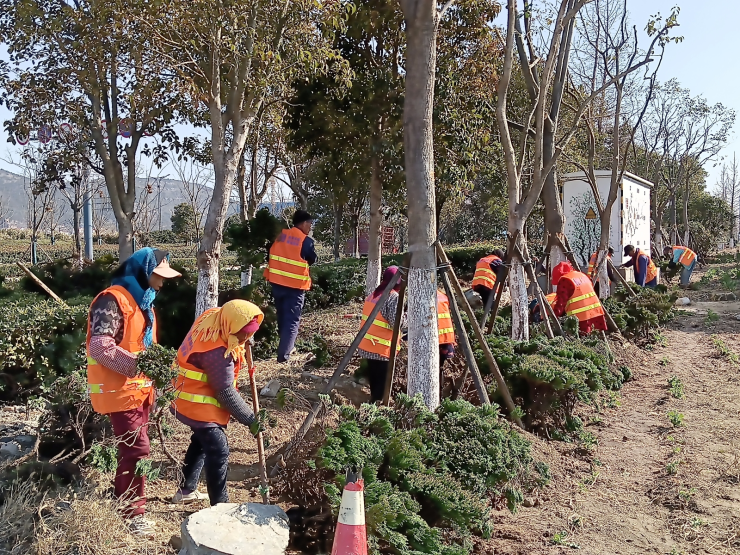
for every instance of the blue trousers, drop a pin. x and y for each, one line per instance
(686, 273)
(289, 306)
(209, 448)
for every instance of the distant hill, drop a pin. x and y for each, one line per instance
(14, 196)
(171, 194)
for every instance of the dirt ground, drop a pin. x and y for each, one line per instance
(646, 487)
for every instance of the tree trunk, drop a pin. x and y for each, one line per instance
(241, 183)
(554, 214)
(674, 219)
(338, 211)
(374, 233)
(76, 231)
(423, 358)
(686, 233)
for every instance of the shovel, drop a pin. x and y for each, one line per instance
(260, 443)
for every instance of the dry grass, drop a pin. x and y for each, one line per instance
(89, 525)
(17, 512)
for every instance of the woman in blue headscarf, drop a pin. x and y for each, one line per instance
(121, 324)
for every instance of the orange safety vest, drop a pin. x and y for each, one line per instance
(194, 397)
(483, 274)
(111, 391)
(687, 256)
(592, 263)
(583, 303)
(444, 320)
(551, 298)
(378, 338)
(652, 271)
(285, 265)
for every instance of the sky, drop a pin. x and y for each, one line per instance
(704, 62)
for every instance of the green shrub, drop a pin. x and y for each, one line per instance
(549, 376)
(103, 457)
(40, 340)
(430, 477)
(636, 316)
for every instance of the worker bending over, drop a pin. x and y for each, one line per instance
(446, 334)
(683, 256)
(287, 271)
(646, 274)
(576, 297)
(375, 347)
(486, 272)
(210, 360)
(120, 325)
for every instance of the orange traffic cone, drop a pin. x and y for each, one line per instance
(350, 537)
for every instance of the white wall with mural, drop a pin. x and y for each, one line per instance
(630, 218)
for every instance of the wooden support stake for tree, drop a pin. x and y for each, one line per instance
(311, 416)
(464, 341)
(489, 303)
(260, 441)
(442, 256)
(621, 278)
(40, 283)
(390, 375)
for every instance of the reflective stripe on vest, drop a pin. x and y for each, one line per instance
(138, 383)
(379, 323)
(289, 274)
(652, 271)
(375, 339)
(199, 399)
(194, 375)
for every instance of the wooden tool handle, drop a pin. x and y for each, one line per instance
(260, 442)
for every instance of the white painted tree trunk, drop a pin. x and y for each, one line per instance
(246, 277)
(557, 255)
(519, 302)
(603, 275)
(374, 234)
(206, 294)
(421, 34)
(423, 372)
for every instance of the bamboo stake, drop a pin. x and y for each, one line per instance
(260, 440)
(502, 279)
(480, 337)
(394, 339)
(40, 283)
(462, 337)
(311, 416)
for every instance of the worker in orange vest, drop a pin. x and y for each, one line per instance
(287, 271)
(121, 324)
(683, 256)
(536, 312)
(592, 268)
(486, 270)
(375, 347)
(209, 362)
(446, 333)
(576, 297)
(646, 274)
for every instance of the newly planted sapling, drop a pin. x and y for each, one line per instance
(159, 364)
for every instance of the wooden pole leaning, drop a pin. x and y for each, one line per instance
(621, 279)
(38, 282)
(260, 440)
(464, 341)
(311, 416)
(508, 401)
(396, 333)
